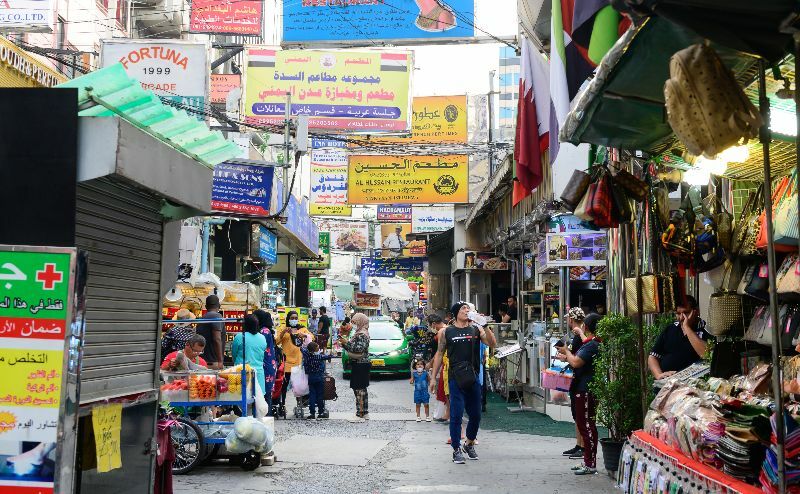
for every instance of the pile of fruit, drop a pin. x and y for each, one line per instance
(233, 377)
(176, 385)
(202, 387)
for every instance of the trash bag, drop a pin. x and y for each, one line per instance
(235, 445)
(299, 381)
(438, 410)
(251, 431)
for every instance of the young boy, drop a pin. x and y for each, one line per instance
(314, 365)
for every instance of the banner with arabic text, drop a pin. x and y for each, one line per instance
(432, 219)
(436, 120)
(377, 179)
(388, 268)
(328, 195)
(236, 17)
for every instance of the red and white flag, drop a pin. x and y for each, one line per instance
(533, 121)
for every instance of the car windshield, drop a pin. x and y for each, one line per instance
(384, 331)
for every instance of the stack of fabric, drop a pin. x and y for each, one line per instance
(769, 470)
(707, 452)
(741, 450)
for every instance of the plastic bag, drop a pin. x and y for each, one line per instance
(250, 430)
(262, 408)
(299, 381)
(438, 410)
(235, 445)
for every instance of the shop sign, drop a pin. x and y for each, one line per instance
(324, 253)
(392, 213)
(388, 268)
(586, 248)
(38, 359)
(173, 69)
(328, 195)
(25, 66)
(346, 91)
(363, 300)
(435, 120)
(394, 242)
(486, 261)
(316, 284)
(350, 236)
(234, 17)
(373, 22)
(382, 179)
(267, 246)
(26, 15)
(299, 223)
(242, 189)
(432, 219)
(222, 84)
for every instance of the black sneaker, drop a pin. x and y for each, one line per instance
(578, 454)
(323, 415)
(311, 417)
(458, 457)
(469, 449)
(572, 451)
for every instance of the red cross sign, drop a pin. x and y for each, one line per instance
(49, 276)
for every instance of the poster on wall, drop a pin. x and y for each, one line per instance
(394, 242)
(234, 17)
(328, 196)
(393, 213)
(362, 300)
(344, 91)
(383, 179)
(577, 249)
(487, 261)
(37, 292)
(368, 22)
(26, 16)
(242, 189)
(350, 236)
(222, 85)
(174, 69)
(316, 284)
(435, 120)
(432, 219)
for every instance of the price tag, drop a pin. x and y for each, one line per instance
(763, 271)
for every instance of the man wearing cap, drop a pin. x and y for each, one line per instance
(395, 243)
(461, 340)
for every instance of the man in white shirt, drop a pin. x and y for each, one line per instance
(395, 243)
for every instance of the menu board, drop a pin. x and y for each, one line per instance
(587, 248)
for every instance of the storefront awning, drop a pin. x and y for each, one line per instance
(498, 186)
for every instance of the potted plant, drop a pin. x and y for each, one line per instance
(617, 385)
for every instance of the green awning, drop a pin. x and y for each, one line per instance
(111, 92)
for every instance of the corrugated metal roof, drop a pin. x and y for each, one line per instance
(111, 92)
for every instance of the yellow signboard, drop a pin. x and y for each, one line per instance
(437, 120)
(408, 179)
(340, 90)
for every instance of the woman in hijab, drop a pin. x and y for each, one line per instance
(358, 350)
(270, 358)
(250, 347)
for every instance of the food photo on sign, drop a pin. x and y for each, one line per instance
(350, 236)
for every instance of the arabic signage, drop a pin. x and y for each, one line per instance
(362, 300)
(328, 194)
(486, 261)
(394, 241)
(351, 236)
(235, 17)
(586, 248)
(432, 219)
(436, 120)
(389, 267)
(36, 316)
(351, 91)
(267, 245)
(408, 179)
(324, 253)
(26, 15)
(394, 213)
(366, 22)
(242, 189)
(300, 225)
(173, 69)
(222, 84)
(316, 284)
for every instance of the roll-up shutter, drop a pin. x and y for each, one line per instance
(121, 228)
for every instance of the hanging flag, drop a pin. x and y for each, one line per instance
(596, 26)
(533, 117)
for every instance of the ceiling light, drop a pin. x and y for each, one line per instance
(717, 166)
(697, 176)
(735, 154)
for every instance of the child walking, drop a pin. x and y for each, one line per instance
(419, 378)
(314, 365)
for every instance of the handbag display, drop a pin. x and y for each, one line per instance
(749, 272)
(755, 331)
(784, 219)
(732, 275)
(725, 314)
(706, 108)
(666, 292)
(581, 208)
(747, 228)
(635, 188)
(622, 212)
(777, 197)
(758, 287)
(788, 278)
(723, 220)
(650, 302)
(599, 206)
(575, 190)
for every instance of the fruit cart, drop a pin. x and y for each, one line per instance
(197, 439)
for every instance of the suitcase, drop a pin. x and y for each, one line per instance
(330, 388)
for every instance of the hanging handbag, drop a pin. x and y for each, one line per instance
(749, 227)
(749, 272)
(784, 219)
(622, 211)
(723, 220)
(757, 323)
(650, 302)
(758, 287)
(788, 278)
(636, 189)
(706, 107)
(575, 190)
(794, 325)
(725, 360)
(725, 314)
(732, 275)
(599, 205)
(666, 292)
(777, 197)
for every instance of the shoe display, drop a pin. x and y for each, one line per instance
(469, 449)
(571, 451)
(458, 457)
(584, 470)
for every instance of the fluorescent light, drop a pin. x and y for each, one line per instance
(782, 122)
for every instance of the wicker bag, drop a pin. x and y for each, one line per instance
(650, 302)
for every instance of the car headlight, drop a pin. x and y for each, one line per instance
(395, 353)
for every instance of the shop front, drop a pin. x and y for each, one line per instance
(19, 69)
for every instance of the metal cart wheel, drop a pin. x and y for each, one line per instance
(190, 449)
(250, 461)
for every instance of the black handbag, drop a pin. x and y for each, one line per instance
(726, 360)
(758, 287)
(621, 211)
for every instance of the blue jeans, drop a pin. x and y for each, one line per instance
(460, 401)
(316, 391)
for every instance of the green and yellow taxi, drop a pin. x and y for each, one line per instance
(388, 348)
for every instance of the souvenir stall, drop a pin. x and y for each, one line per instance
(711, 218)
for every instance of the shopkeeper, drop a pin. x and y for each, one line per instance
(681, 343)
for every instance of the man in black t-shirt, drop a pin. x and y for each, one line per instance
(323, 328)
(214, 333)
(512, 308)
(681, 343)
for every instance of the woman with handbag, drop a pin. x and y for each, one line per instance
(358, 350)
(290, 338)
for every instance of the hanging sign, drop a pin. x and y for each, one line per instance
(234, 17)
(363, 300)
(394, 241)
(324, 252)
(577, 249)
(351, 236)
(432, 219)
(222, 84)
(394, 213)
(486, 261)
(328, 195)
(267, 246)
(377, 179)
(344, 91)
(435, 120)
(26, 16)
(243, 189)
(316, 284)
(388, 268)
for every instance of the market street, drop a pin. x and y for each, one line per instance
(403, 456)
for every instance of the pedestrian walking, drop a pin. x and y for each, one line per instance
(270, 357)
(314, 365)
(313, 322)
(585, 404)
(420, 380)
(461, 342)
(323, 329)
(291, 337)
(250, 347)
(358, 349)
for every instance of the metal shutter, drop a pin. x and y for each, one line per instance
(122, 229)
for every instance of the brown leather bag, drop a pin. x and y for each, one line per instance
(636, 189)
(575, 190)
